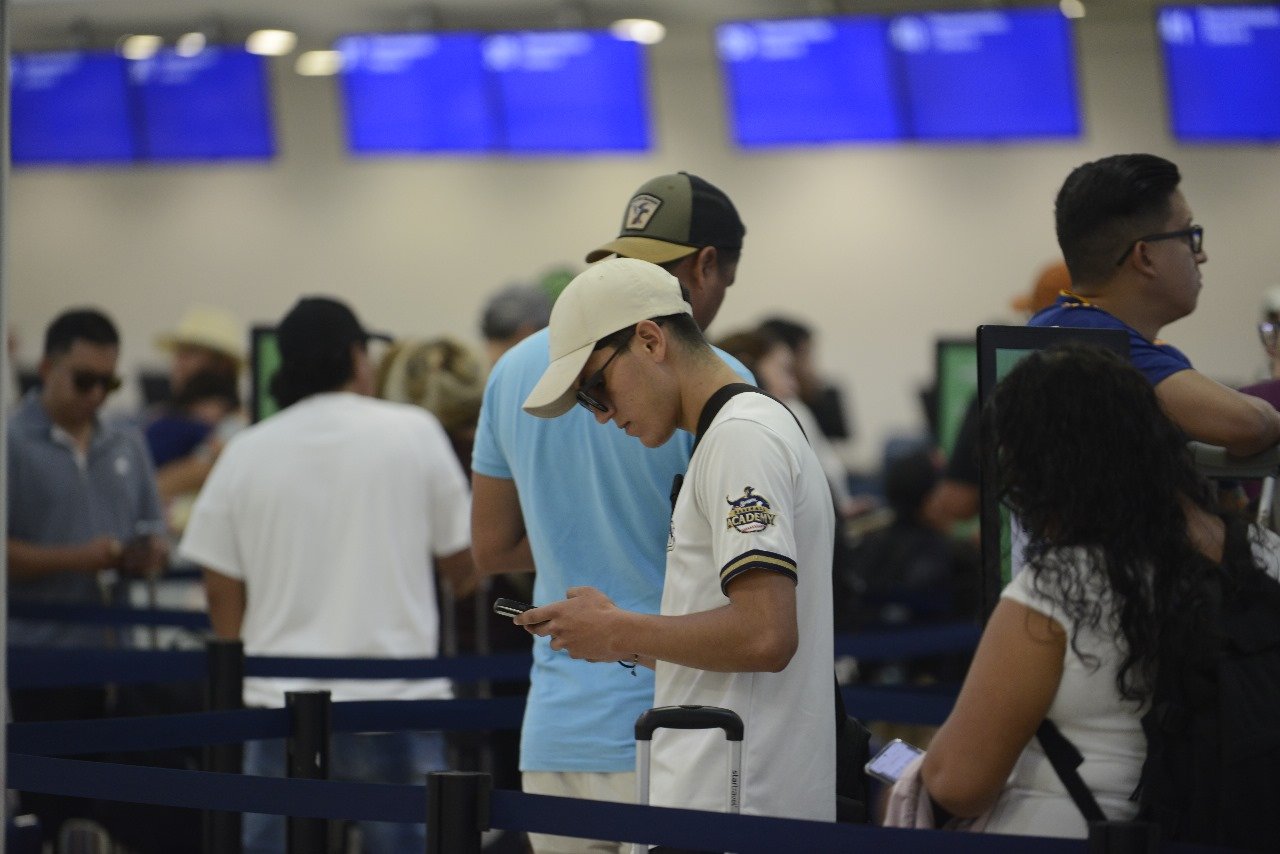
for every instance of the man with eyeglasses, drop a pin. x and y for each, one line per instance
(81, 501)
(746, 616)
(1134, 255)
(584, 506)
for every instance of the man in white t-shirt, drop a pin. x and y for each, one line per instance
(745, 621)
(317, 531)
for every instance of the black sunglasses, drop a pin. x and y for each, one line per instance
(596, 380)
(1194, 235)
(87, 381)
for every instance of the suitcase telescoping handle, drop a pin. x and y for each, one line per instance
(687, 717)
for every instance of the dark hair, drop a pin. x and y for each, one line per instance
(512, 308)
(323, 370)
(725, 258)
(789, 332)
(205, 385)
(79, 324)
(750, 347)
(683, 327)
(1105, 205)
(1087, 458)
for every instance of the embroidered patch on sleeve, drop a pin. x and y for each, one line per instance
(757, 559)
(750, 512)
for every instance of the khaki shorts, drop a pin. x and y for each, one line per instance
(587, 785)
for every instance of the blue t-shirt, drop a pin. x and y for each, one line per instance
(1155, 359)
(597, 508)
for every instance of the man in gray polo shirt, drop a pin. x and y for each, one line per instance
(82, 496)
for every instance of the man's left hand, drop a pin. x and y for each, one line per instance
(584, 625)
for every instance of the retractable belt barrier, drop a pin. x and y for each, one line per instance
(507, 810)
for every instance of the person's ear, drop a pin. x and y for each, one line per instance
(708, 258)
(652, 338)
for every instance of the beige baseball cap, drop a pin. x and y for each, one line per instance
(209, 327)
(606, 297)
(672, 216)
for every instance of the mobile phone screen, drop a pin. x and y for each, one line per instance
(510, 607)
(892, 760)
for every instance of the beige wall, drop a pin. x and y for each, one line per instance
(881, 248)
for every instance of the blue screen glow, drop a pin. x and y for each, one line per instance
(811, 80)
(987, 75)
(211, 106)
(1222, 69)
(71, 107)
(569, 91)
(415, 92)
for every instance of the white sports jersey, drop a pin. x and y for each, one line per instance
(754, 500)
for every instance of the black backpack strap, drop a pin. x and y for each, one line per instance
(1065, 759)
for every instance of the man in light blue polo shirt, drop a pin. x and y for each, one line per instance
(591, 506)
(82, 495)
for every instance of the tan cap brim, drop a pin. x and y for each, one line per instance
(643, 248)
(170, 342)
(553, 396)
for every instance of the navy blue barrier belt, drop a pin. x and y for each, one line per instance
(32, 667)
(508, 811)
(158, 732)
(927, 706)
(109, 615)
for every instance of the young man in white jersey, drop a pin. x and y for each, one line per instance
(745, 621)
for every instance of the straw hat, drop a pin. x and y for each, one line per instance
(209, 327)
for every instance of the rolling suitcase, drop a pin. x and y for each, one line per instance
(687, 717)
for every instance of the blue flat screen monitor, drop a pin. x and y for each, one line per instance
(71, 107)
(988, 75)
(415, 92)
(1222, 70)
(569, 91)
(809, 81)
(211, 106)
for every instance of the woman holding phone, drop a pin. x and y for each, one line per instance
(1120, 528)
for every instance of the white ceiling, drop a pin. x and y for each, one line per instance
(58, 24)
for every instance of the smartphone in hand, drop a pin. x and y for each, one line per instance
(510, 607)
(892, 760)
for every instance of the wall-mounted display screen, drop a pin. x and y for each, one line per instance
(70, 107)
(211, 106)
(812, 80)
(554, 92)
(1222, 72)
(948, 76)
(569, 91)
(415, 92)
(988, 75)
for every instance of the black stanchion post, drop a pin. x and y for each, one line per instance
(308, 759)
(457, 811)
(1123, 837)
(224, 689)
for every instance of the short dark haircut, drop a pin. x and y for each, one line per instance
(789, 332)
(725, 258)
(79, 324)
(1105, 205)
(681, 325)
(321, 371)
(513, 308)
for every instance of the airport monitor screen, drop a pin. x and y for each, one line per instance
(988, 75)
(956, 378)
(212, 106)
(416, 92)
(264, 361)
(569, 91)
(1222, 72)
(71, 107)
(809, 81)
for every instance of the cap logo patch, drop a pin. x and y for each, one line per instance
(640, 211)
(750, 512)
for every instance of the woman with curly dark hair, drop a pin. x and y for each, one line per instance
(1119, 529)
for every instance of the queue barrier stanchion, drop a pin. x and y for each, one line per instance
(457, 811)
(307, 758)
(224, 688)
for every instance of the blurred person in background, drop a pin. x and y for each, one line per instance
(511, 315)
(825, 400)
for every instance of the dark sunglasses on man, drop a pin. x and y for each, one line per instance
(87, 381)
